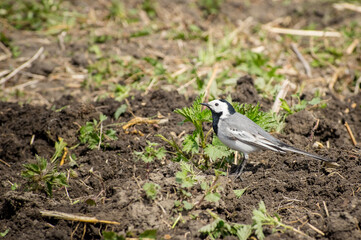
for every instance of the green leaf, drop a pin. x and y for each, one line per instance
(177, 203)
(112, 134)
(151, 189)
(187, 205)
(160, 153)
(59, 147)
(239, 192)
(3, 234)
(102, 117)
(213, 197)
(147, 158)
(14, 186)
(217, 150)
(152, 234)
(244, 232)
(204, 185)
(315, 101)
(258, 218)
(211, 227)
(190, 144)
(285, 106)
(120, 110)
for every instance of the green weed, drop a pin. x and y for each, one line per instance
(210, 7)
(14, 186)
(4, 233)
(191, 32)
(239, 192)
(301, 104)
(150, 152)
(120, 110)
(15, 51)
(37, 15)
(149, 6)
(43, 175)
(151, 190)
(119, 12)
(188, 178)
(94, 133)
(219, 228)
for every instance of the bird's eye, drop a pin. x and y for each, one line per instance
(216, 104)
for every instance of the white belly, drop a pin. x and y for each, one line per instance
(237, 145)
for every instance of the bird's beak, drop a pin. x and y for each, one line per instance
(205, 104)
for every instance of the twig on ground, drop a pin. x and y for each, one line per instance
(314, 129)
(161, 207)
(140, 120)
(302, 59)
(350, 133)
(213, 76)
(7, 164)
(352, 46)
(286, 85)
(357, 86)
(4, 72)
(6, 51)
(21, 67)
(150, 86)
(326, 210)
(186, 84)
(316, 229)
(348, 6)
(73, 232)
(100, 135)
(334, 78)
(309, 33)
(74, 217)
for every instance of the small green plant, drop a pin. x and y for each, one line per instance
(261, 218)
(210, 7)
(257, 65)
(37, 15)
(188, 178)
(150, 152)
(151, 189)
(43, 175)
(14, 186)
(4, 233)
(239, 192)
(120, 110)
(149, 7)
(301, 104)
(94, 133)
(220, 228)
(15, 51)
(118, 12)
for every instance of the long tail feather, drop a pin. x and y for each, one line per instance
(296, 150)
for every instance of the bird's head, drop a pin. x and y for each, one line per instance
(220, 107)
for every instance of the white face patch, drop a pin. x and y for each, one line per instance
(219, 106)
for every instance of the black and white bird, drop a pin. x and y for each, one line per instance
(240, 133)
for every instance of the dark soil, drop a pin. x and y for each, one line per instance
(320, 200)
(294, 186)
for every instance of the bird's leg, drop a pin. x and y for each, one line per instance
(240, 167)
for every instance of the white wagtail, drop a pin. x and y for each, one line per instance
(240, 133)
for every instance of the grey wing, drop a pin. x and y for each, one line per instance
(243, 129)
